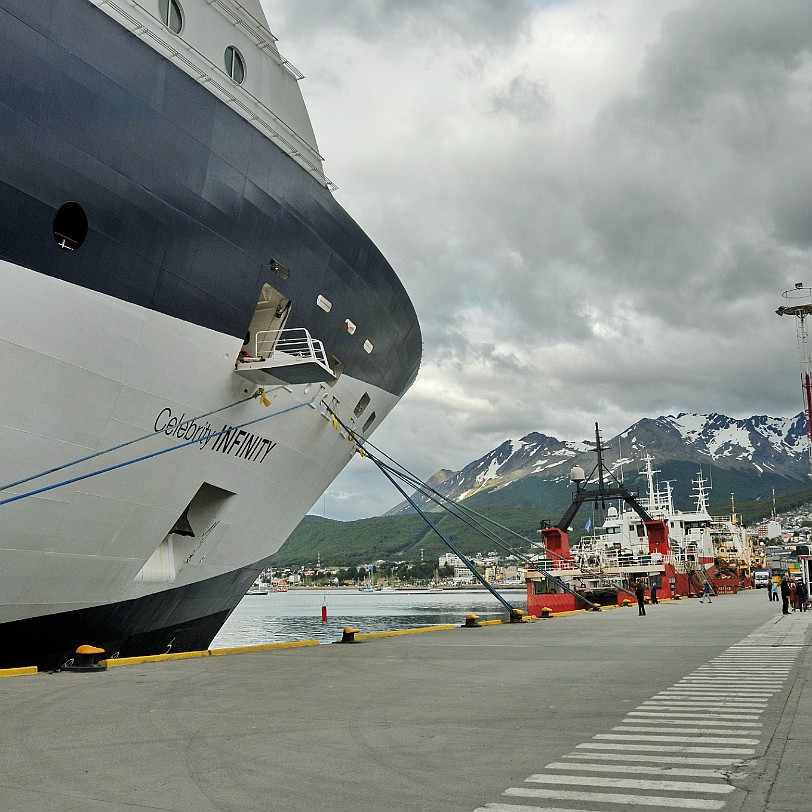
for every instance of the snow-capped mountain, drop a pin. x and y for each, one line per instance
(749, 456)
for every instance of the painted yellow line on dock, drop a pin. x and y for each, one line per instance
(216, 652)
(396, 632)
(154, 658)
(18, 672)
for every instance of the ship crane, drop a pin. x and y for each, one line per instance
(799, 304)
(604, 490)
(608, 487)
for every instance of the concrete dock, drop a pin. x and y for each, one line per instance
(693, 706)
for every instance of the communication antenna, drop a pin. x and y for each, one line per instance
(799, 304)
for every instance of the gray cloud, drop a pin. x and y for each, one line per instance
(595, 206)
(527, 100)
(386, 20)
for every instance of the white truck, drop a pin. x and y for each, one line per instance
(762, 578)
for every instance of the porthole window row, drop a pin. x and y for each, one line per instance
(170, 14)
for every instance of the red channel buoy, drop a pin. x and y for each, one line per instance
(324, 613)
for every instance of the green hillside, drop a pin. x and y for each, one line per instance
(395, 538)
(406, 537)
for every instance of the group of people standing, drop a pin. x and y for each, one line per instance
(792, 594)
(640, 594)
(795, 594)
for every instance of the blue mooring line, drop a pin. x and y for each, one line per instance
(119, 446)
(149, 456)
(449, 543)
(417, 483)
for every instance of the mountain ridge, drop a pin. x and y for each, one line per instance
(768, 448)
(523, 481)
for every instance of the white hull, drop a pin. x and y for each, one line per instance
(111, 372)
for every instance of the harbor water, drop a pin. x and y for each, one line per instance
(280, 617)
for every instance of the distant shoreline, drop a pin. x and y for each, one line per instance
(472, 588)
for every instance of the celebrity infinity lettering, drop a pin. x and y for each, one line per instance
(229, 440)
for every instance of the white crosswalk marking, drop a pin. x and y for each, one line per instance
(515, 808)
(631, 783)
(721, 690)
(616, 798)
(657, 748)
(672, 704)
(693, 715)
(637, 769)
(671, 719)
(698, 731)
(647, 758)
(667, 738)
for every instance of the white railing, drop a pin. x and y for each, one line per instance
(295, 341)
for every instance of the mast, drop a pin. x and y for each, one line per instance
(701, 493)
(799, 304)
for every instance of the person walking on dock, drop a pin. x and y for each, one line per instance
(706, 593)
(640, 592)
(784, 595)
(774, 591)
(793, 593)
(654, 588)
(801, 595)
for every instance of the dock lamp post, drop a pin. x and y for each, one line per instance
(799, 304)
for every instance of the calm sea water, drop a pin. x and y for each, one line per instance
(279, 617)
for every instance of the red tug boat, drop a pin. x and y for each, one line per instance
(646, 539)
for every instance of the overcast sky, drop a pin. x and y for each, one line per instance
(595, 206)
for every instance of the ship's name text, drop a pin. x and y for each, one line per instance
(227, 440)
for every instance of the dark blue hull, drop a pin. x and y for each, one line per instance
(187, 203)
(182, 619)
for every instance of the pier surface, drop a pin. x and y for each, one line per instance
(693, 706)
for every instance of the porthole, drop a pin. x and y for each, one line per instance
(70, 226)
(235, 65)
(171, 15)
(368, 347)
(349, 327)
(325, 304)
(370, 421)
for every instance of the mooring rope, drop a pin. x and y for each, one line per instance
(514, 613)
(457, 510)
(479, 528)
(445, 502)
